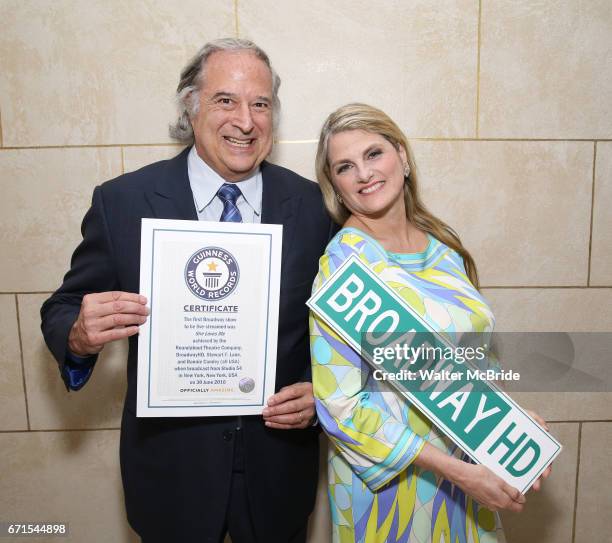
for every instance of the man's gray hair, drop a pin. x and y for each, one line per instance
(192, 79)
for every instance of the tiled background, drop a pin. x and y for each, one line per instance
(507, 104)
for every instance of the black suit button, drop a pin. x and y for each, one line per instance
(227, 435)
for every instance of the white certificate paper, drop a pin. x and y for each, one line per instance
(208, 347)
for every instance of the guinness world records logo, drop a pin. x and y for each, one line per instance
(212, 273)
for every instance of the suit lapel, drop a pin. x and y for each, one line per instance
(279, 205)
(170, 196)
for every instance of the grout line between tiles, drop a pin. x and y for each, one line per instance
(544, 287)
(544, 140)
(236, 26)
(90, 146)
(29, 292)
(58, 430)
(576, 483)
(553, 421)
(112, 428)
(440, 139)
(122, 161)
(592, 207)
(23, 377)
(478, 69)
(490, 287)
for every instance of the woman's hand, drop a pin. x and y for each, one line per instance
(538, 484)
(478, 481)
(488, 489)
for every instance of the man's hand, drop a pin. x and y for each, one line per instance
(292, 407)
(105, 317)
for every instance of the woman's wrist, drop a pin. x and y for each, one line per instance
(449, 467)
(456, 471)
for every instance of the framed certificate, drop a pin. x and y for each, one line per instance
(208, 347)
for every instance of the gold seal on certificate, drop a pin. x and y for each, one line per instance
(208, 347)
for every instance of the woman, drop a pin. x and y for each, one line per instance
(392, 475)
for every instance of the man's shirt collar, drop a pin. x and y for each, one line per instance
(205, 182)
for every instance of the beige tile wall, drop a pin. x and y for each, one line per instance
(13, 411)
(507, 104)
(135, 158)
(104, 72)
(601, 261)
(97, 405)
(68, 477)
(545, 69)
(44, 195)
(594, 501)
(548, 514)
(415, 59)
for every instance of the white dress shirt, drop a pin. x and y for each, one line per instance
(205, 182)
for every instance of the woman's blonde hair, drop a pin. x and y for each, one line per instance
(364, 117)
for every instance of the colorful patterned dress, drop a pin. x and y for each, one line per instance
(376, 494)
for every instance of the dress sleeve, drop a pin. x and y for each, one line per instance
(353, 411)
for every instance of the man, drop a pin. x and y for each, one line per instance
(193, 479)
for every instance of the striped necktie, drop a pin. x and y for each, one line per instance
(228, 194)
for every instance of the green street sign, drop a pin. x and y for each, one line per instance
(457, 395)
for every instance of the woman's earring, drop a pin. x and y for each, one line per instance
(406, 171)
(339, 198)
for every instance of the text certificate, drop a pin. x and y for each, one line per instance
(208, 347)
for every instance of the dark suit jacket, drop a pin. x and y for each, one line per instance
(176, 472)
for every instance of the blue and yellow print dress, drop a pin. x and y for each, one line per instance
(376, 494)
